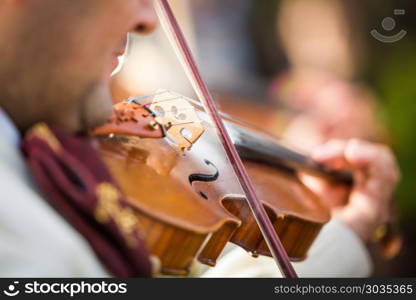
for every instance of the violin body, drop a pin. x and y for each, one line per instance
(174, 220)
(190, 205)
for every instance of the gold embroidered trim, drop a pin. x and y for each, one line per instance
(43, 132)
(108, 208)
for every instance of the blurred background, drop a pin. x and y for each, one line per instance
(306, 71)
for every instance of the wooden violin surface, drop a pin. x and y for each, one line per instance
(175, 221)
(297, 214)
(190, 204)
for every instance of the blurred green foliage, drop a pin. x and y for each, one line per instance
(395, 82)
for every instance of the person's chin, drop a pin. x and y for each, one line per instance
(98, 108)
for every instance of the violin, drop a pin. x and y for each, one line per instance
(169, 162)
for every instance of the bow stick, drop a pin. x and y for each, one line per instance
(181, 48)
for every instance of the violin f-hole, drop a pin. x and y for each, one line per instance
(204, 177)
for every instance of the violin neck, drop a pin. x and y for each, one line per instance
(253, 146)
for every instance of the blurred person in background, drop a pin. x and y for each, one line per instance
(325, 51)
(328, 89)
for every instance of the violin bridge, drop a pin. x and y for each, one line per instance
(179, 118)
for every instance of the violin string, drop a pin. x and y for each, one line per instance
(137, 101)
(201, 108)
(286, 151)
(197, 105)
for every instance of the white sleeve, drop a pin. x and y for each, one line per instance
(35, 241)
(337, 252)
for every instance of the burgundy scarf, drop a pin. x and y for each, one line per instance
(79, 186)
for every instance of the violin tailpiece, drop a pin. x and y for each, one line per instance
(164, 113)
(130, 119)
